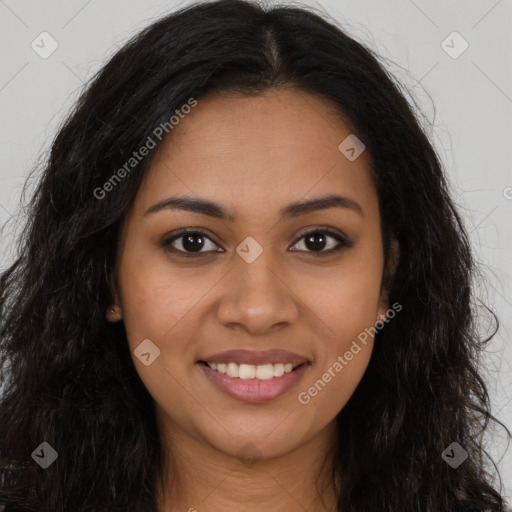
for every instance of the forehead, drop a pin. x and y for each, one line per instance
(260, 151)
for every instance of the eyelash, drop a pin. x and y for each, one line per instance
(342, 242)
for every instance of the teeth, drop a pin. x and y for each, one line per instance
(246, 371)
(232, 370)
(250, 371)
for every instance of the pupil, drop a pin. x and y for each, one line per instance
(195, 242)
(314, 245)
(190, 242)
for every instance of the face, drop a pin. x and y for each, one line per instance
(256, 279)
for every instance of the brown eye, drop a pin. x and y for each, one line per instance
(190, 243)
(317, 240)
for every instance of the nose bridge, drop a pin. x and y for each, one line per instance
(254, 259)
(256, 280)
(257, 298)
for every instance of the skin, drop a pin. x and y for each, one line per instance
(252, 155)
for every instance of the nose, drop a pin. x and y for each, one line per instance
(258, 297)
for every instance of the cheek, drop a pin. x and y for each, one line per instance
(158, 305)
(157, 299)
(332, 389)
(347, 307)
(342, 358)
(346, 301)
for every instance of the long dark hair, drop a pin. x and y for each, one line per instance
(67, 373)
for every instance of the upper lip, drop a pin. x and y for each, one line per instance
(242, 356)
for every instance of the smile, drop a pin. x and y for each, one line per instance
(250, 371)
(253, 383)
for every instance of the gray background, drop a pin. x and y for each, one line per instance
(468, 98)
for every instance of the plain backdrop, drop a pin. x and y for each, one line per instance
(462, 83)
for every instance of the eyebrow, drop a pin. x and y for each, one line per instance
(212, 209)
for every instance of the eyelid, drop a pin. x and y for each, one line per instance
(324, 229)
(168, 240)
(342, 239)
(344, 242)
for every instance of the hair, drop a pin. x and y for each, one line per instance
(67, 373)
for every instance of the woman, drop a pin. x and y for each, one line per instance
(242, 285)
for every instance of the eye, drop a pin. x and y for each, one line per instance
(191, 242)
(316, 241)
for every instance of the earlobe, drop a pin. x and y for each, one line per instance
(382, 316)
(113, 313)
(382, 311)
(387, 279)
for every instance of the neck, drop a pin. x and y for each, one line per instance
(200, 478)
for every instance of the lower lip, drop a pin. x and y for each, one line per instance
(254, 390)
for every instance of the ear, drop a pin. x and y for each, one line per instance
(113, 312)
(387, 279)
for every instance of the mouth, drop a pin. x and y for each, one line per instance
(250, 371)
(253, 383)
